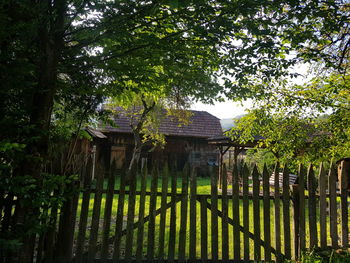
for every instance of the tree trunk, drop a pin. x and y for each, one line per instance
(136, 154)
(50, 44)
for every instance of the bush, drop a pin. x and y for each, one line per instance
(326, 256)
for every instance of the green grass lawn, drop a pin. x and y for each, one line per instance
(203, 187)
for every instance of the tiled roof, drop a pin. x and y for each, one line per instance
(202, 124)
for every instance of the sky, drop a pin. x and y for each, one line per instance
(224, 110)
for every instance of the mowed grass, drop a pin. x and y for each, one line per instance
(203, 187)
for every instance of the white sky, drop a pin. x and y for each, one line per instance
(223, 110)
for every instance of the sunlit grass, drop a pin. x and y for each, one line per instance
(203, 187)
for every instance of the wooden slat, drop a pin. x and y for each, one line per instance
(163, 212)
(140, 228)
(131, 215)
(224, 228)
(152, 216)
(214, 215)
(95, 221)
(323, 207)
(286, 213)
(344, 205)
(256, 214)
(119, 219)
(266, 213)
(108, 211)
(183, 216)
(84, 212)
(172, 230)
(277, 213)
(312, 207)
(193, 213)
(296, 209)
(302, 224)
(64, 242)
(245, 212)
(235, 215)
(51, 231)
(204, 228)
(332, 186)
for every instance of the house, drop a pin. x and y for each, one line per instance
(184, 143)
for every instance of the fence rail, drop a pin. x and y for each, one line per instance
(245, 220)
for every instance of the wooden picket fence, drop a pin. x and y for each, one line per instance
(248, 220)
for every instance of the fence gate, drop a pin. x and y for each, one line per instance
(165, 215)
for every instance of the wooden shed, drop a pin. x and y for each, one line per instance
(184, 143)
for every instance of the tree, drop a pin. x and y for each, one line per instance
(310, 120)
(146, 111)
(76, 53)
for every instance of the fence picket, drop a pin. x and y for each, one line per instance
(84, 212)
(344, 171)
(323, 207)
(312, 207)
(172, 230)
(95, 217)
(214, 215)
(256, 214)
(245, 201)
(286, 213)
(295, 216)
(108, 211)
(291, 197)
(131, 214)
(140, 228)
(152, 216)
(332, 186)
(277, 213)
(183, 218)
(119, 218)
(193, 214)
(235, 211)
(266, 203)
(302, 223)
(163, 212)
(204, 228)
(224, 221)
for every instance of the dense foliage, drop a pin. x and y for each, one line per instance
(60, 59)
